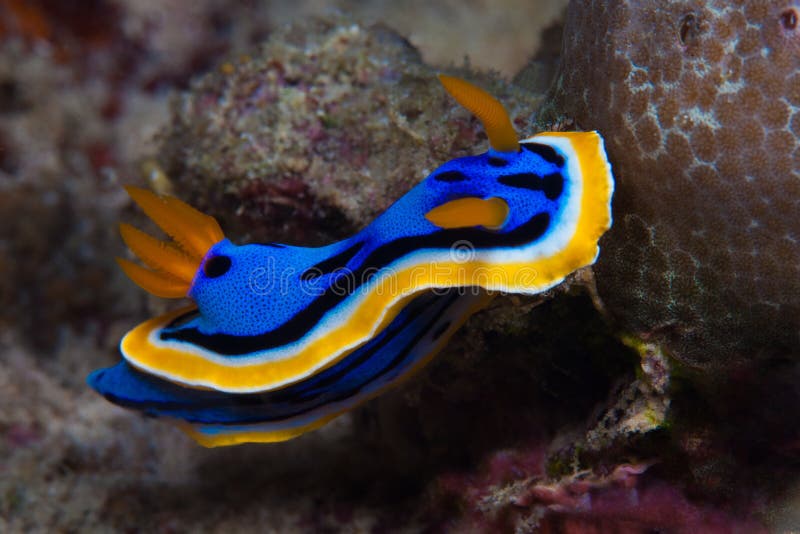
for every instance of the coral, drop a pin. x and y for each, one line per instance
(318, 133)
(539, 73)
(58, 209)
(517, 372)
(699, 105)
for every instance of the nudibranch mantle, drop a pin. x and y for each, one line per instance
(273, 320)
(281, 313)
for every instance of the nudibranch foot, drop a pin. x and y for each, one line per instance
(282, 338)
(216, 418)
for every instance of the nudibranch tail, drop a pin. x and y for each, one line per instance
(495, 119)
(172, 267)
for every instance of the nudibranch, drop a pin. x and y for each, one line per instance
(280, 339)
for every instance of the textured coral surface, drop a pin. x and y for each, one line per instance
(699, 103)
(319, 132)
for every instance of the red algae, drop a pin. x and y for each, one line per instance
(624, 498)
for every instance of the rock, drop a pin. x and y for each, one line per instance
(319, 132)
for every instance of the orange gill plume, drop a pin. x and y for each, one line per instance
(172, 266)
(489, 110)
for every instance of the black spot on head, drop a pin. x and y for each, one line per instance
(494, 161)
(334, 263)
(552, 185)
(451, 176)
(546, 152)
(217, 266)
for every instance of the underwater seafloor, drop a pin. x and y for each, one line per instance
(656, 392)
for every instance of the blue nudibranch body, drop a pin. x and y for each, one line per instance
(281, 339)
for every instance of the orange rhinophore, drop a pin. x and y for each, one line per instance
(172, 266)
